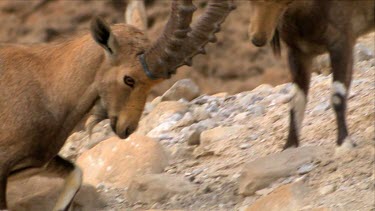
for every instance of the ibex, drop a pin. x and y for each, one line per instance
(46, 89)
(310, 28)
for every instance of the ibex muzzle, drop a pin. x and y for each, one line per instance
(46, 90)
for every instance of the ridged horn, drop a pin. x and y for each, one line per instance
(179, 43)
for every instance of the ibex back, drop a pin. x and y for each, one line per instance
(45, 90)
(310, 28)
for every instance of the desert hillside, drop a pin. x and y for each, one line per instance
(195, 151)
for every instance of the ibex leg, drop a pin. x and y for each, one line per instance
(341, 55)
(64, 168)
(299, 65)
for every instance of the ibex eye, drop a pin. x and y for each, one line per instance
(129, 81)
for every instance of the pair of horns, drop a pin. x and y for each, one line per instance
(179, 42)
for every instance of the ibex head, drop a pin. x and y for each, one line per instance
(264, 18)
(132, 66)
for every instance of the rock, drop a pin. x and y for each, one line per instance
(247, 100)
(260, 173)
(327, 189)
(285, 198)
(263, 89)
(200, 113)
(202, 152)
(241, 116)
(209, 138)
(152, 188)
(162, 131)
(115, 161)
(163, 112)
(192, 137)
(41, 193)
(305, 168)
(321, 108)
(184, 88)
(221, 95)
(281, 99)
(256, 110)
(245, 146)
(363, 52)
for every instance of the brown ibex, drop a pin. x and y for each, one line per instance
(46, 89)
(310, 28)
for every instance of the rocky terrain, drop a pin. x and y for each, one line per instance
(195, 151)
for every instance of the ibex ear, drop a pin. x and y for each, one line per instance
(102, 34)
(135, 14)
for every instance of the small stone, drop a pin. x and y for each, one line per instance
(256, 110)
(202, 152)
(221, 95)
(327, 189)
(245, 146)
(305, 168)
(193, 137)
(321, 108)
(241, 116)
(363, 52)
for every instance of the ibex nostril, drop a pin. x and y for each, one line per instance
(126, 133)
(258, 42)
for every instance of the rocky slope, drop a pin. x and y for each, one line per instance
(223, 152)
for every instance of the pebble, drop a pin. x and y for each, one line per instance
(327, 189)
(245, 146)
(305, 168)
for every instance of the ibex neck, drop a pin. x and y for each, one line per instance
(70, 73)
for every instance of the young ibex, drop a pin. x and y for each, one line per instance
(310, 28)
(45, 90)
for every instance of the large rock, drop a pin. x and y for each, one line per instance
(116, 162)
(262, 172)
(184, 88)
(41, 193)
(152, 188)
(209, 139)
(168, 111)
(285, 198)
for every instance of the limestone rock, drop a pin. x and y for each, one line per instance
(285, 198)
(152, 188)
(262, 172)
(184, 88)
(116, 162)
(163, 112)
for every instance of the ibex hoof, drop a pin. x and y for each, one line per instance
(345, 147)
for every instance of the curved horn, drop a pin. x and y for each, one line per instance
(179, 43)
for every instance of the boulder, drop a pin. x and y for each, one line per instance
(152, 188)
(285, 198)
(163, 112)
(115, 162)
(261, 172)
(209, 138)
(182, 89)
